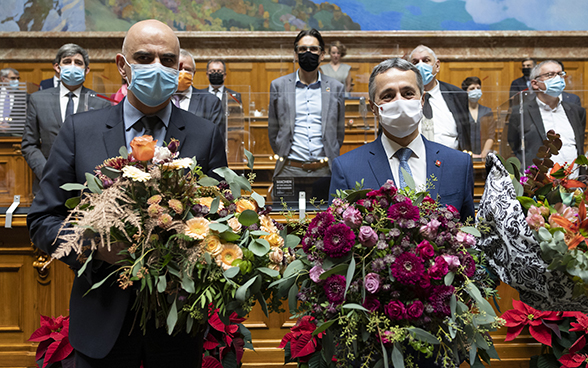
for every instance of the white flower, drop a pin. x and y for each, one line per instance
(135, 174)
(161, 154)
(181, 163)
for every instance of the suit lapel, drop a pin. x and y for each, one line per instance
(432, 168)
(83, 100)
(574, 123)
(56, 107)
(325, 99)
(379, 163)
(114, 136)
(448, 97)
(291, 98)
(536, 119)
(176, 127)
(194, 99)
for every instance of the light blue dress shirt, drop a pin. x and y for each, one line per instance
(131, 117)
(307, 142)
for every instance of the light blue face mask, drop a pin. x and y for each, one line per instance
(13, 83)
(426, 72)
(72, 75)
(152, 84)
(554, 86)
(474, 95)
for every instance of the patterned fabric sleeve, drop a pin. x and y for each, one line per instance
(512, 251)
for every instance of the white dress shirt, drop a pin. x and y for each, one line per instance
(63, 99)
(444, 124)
(417, 161)
(184, 98)
(218, 94)
(557, 120)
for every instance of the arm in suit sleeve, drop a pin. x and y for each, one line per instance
(338, 180)
(273, 125)
(216, 112)
(514, 137)
(31, 140)
(341, 116)
(467, 208)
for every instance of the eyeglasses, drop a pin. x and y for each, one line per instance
(552, 75)
(313, 49)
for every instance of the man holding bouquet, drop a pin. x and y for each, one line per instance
(396, 90)
(103, 331)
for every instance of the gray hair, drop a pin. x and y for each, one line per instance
(186, 53)
(537, 68)
(71, 49)
(423, 48)
(6, 71)
(396, 63)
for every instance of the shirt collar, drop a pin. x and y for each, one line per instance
(221, 89)
(390, 147)
(300, 84)
(546, 107)
(185, 94)
(131, 114)
(64, 91)
(435, 90)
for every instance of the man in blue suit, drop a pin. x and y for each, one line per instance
(395, 90)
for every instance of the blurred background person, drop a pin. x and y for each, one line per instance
(335, 68)
(523, 83)
(482, 124)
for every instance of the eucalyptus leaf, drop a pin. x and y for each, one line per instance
(110, 172)
(449, 278)
(235, 189)
(259, 199)
(161, 284)
(250, 159)
(292, 241)
(423, 335)
(323, 327)
(397, 357)
(471, 230)
(231, 272)
(207, 181)
(292, 299)
(72, 202)
(259, 233)
(188, 284)
(217, 226)
(408, 179)
(244, 184)
(93, 184)
(124, 153)
(225, 173)
(337, 270)
(172, 318)
(259, 247)
(214, 205)
(268, 271)
(241, 293)
(355, 306)
(349, 277)
(85, 265)
(248, 218)
(293, 268)
(73, 186)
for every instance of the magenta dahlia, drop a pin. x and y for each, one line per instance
(319, 224)
(338, 240)
(408, 268)
(440, 299)
(403, 210)
(335, 289)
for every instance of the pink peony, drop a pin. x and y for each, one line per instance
(535, 218)
(372, 282)
(395, 310)
(367, 236)
(315, 273)
(439, 269)
(425, 250)
(352, 217)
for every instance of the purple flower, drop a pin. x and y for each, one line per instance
(439, 269)
(352, 217)
(440, 298)
(367, 236)
(378, 265)
(338, 240)
(469, 264)
(453, 211)
(319, 224)
(315, 273)
(425, 250)
(403, 210)
(524, 180)
(335, 289)
(429, 231)
(372, 304)
(452, 261)
(395, 310)
(465, 238)
(372, 282)
(415, 310)
(307, 242)
(408, 268)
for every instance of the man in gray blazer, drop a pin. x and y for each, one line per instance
(48, 108)
(306, 119)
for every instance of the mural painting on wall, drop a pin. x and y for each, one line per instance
(291, 15)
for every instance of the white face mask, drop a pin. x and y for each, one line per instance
(401, 117)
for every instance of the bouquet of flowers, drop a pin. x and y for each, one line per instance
(554, 202)
(192, 241)
(388, 275)
(563, 335)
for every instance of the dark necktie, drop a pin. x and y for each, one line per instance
(216, 91)
(427, 109)
(403, 155)
(69, 109)
(150, 124)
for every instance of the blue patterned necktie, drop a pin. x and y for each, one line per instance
(403, 155)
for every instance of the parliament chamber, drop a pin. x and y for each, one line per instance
(30, 285)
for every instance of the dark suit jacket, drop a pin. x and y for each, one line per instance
(571, 98)
(282, 116)
(455, 174)
(235, 94)
(517, 85)
(535, 131)
(86, 140)
(207, 106)
(46, 84)
(457, 102)
(44, 122)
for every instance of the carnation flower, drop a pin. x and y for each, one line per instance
(229, 253)
(371, 303)
(164, 221)
(469, 264)
(154, 210)
(415, 310)
(197, 228)
(367, 236)
(161, 154)
(439, 269)
(372, 282)
(395, 310)
(319, 224)
(316, 272)
(338, 240)
(352, 217)
(156, 199)
(335, 289)
(176, 206)
(135, 174)
(403, 210)
(181, 163)
(408, 268)
(440, 298)
(235, 224)
(425, 249)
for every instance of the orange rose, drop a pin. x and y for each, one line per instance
(245, 204)
(143, 147)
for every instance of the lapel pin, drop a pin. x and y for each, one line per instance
(438, 163)
(328, 89)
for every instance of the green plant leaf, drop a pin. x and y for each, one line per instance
(268, 271)
(337, 270)
(527, 202)
(250, 159)
(94, 183)
(259, 247)
(123, 152)
(292, 241)
(292, 300)
(110, 172)
(241, 293)
(214, 205)
(355, 306)
(172, 318)
(161, 284)
(207, 181)
(408, 179)
(72, 202)
(244, 184)
(188, 283)
(259, 199)
(449, 278)
(248, 218)
(397, 357)
(231, 272)
(225, 173)
(350, 272)
(323, 327)
(423, 335)
(471, 230)
(189, 324)
(581, 160)
(73, 186)
(85, 265)
(293, 268)
(216, 226)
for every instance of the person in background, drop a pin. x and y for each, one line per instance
(216, 70)
(566, 96)
(523, 83)
(335, 68)
(53, 81)
(482, 123)
(9, 103)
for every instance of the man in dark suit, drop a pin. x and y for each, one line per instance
(216, 70)
(547, 111)
(306, 119)
(396, 89)
(446, 116)
(48, 109)
(569, 97)
(187, 98)
(55, 80)
(101, 322)
(13, 102)
(523, 83)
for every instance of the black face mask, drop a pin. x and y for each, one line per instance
(215, 79)
(308, 61)
(527, 72)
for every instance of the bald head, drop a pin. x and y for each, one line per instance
(150, 30)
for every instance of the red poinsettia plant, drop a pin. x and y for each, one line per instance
(54, 349)
(225, 342)
(562, 335)
(300, 343)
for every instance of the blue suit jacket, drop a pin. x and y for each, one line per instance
(46, 83)
(84, 141)
(455, 174)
